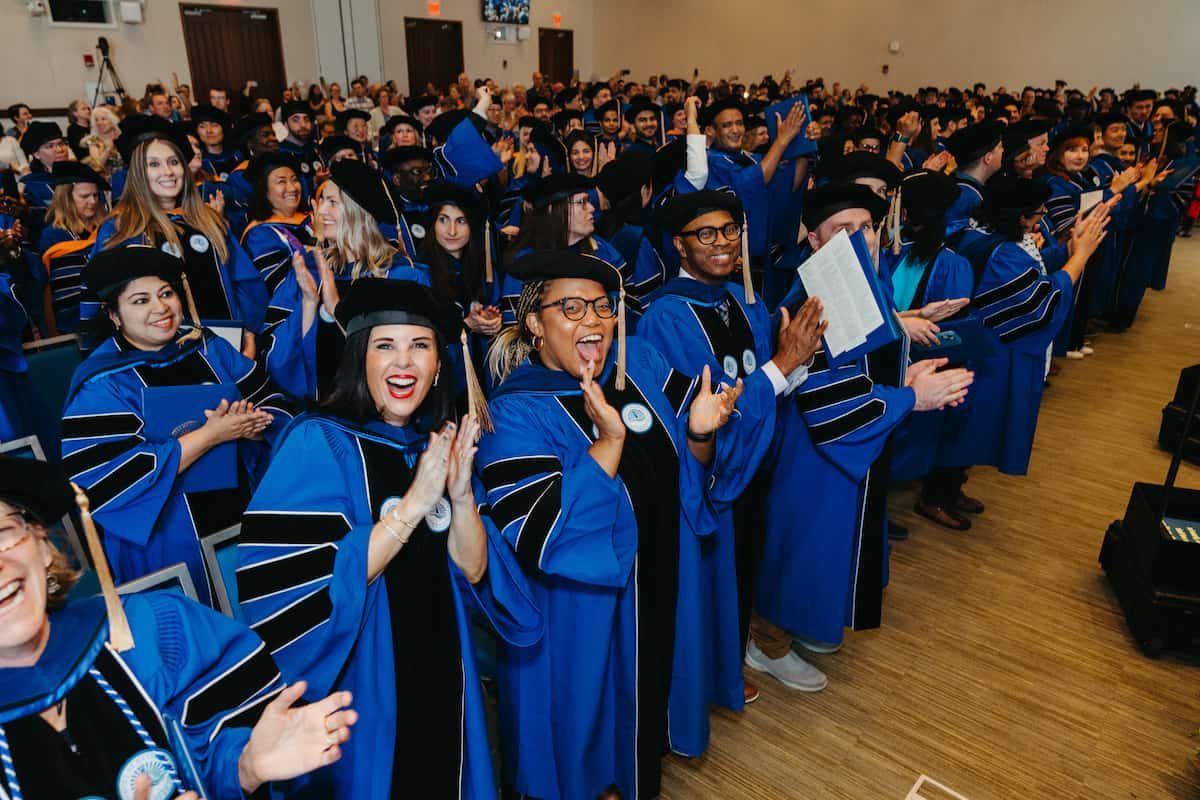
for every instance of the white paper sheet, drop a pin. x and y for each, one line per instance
(834, 274)
(1089, 199)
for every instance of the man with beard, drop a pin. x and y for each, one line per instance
(410, 171)
(297, 117)
(644, 116)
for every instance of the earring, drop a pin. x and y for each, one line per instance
(52, 584)
(436, 376)
(537, 342)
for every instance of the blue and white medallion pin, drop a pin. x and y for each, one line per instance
(155, 763)
(636, 417)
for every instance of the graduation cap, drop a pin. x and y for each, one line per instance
(292, 108)
(365, 187)
(624, 176)
(825, 201)
(402, 119)
(532, 101)
(143, 127)
(247, 125)
(41, 489)
(206, 113)
(264, 164)
(708, 114)
(867, 132)
(604, 108)
(470, 203)
(566, 96)
(443, 124)
(675, 214)
(1076, 130)
(382, 301)
(393, 158)
(859, 164)
(974, 142)
(529, 121)
(1110, 118)
(562, 118)
(554, 188)
(39, 133)
(1047, 107)
(343, 117)
(36, 487)
(415, 104)
(548, 145)
(64, 173)
(928, 193)
(1010, 193)
(1018, 135)
(590, 92)
(1140, 95)
(331, 145)
(669, 110)
(899, 110)
(110, 270)
(637, 106)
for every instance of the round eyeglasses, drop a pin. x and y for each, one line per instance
(575, 308)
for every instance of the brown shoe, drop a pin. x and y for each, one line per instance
(943, 516)
(749, 692)
(968, 504)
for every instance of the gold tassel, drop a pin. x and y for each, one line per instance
(747, 283)
(476, 402)
(119, 635)
(197, 329)
(894, 220)
(488, 275)
(619, 383)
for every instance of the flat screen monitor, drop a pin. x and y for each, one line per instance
(508, 12)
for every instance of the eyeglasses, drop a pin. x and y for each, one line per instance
(732, 232)
(14, 530)
(582, 202)
(1037, 212)
(575, 308)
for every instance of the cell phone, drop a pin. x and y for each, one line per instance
(253, 84)
(625, 72)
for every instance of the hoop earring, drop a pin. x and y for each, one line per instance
(52, 584)
(537, 342)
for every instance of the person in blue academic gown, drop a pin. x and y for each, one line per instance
(825, 561)
(162, 207)
(626, 184)
(211, 127)
(75, 212)
(365, 544)
(919, 270)
(277, 228)
(196, 702)
(979, 152)
(701, 317)
(152, 509)
(597, 475)
(18, 414)
(1023, 308)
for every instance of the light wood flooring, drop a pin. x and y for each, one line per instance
(1004, 668)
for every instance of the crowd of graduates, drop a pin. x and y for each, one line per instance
(515, 393)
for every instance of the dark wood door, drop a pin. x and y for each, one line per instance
(435, 53)
(227, 46)
(556, 54)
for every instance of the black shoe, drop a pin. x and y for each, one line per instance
(897, 532)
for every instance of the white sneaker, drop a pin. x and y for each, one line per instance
(1086, 350)
(816, 645)
(1074, 355)
(791, 670)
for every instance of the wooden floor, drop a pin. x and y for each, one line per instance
(1003, 668)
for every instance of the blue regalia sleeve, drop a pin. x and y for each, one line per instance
(849, 417)
(210, 675)
(289, 353)
(560, 517)
(750, 187)
(249, 291)
(510, 292)
(127, 478)
(270, 253)
(253, 382)
(302, 559)
(503, 595)
(648, 274)
(951, 278)
(1023, 307)
(466, 158)
(89, 308)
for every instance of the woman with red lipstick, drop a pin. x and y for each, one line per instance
(596, 477)
(363, 545)
(156, 494)
(161, 206)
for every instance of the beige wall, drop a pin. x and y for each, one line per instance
(1084, 42)
(42, 65)
(484, 58)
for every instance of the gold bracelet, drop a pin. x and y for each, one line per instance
(403, 540)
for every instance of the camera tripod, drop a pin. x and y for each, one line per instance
(106, 67)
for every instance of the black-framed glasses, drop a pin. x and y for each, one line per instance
(575, 308)
(582, 202)
(1037, 212)
(732, 231)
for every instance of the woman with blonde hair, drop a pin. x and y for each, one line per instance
(76, 209)
(161, 206)
(79, 124)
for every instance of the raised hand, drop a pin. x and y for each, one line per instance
(142, 786)
(799, 336)
(462, 458)
(937, 162)
(606, 418)
(710, 410)
(304, 280)
(429, 482)
(935, 390)
(1089, 231)
(237, 420)
(329, 289)
(789, 128)
(939, 310)
(909, 124)
(217, 202)
(288, 742)
(920, 330)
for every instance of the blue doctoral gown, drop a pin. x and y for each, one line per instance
(18, 418)
(148, 521)
(685, 325)
(1023, 308)
(190, 671)
(401, 643)
(608, 559)
(64, 255)
(510, 287)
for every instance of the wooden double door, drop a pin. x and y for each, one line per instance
(229, 45)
